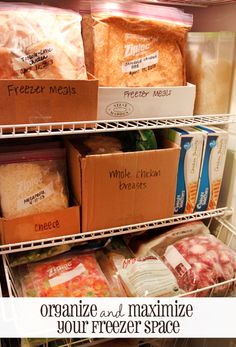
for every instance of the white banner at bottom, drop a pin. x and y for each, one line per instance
(117, 317)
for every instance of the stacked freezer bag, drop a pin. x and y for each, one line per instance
(144, 44)
(40, 42)
(210, 60)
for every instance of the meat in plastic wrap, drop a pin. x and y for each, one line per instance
(201, 261)
(40, 42)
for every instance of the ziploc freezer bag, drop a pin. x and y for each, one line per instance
(32, 182)
(210, 58)
(212, 168)
(67, 275)
(137, 44)
(40, 42)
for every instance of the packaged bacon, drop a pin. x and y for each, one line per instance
(66, 276)
(202, 261)
(32, 181)
(136, 44)
(40, 42)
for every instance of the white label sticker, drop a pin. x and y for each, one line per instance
(67, 276)
(176, 260)
(140, 63)
(147, 276)
(35, 198)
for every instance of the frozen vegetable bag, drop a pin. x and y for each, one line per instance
(32, 182)
(138, 44)
(67, 275)
(40, 42)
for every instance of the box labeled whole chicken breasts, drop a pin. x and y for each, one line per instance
(117, 189)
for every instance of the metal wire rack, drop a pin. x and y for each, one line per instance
(83, 127)
(105, 233)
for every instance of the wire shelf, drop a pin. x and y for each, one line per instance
(224, 231)
(83, 127)
(105, 233)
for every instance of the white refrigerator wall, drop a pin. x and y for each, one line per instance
(222, 18)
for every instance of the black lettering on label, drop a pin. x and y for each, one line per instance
(50, 225)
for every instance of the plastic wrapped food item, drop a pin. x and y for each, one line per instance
(40, 42)
(146, 242)
(210, 67)
(66, 276)
(201, 261)
(144, 44)
(101, 144)
(140, 276)
(32, 182)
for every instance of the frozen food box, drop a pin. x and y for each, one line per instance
(212, 167)
(190, 141)
(117, 189)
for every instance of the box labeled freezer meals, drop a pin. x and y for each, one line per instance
(190, 141)
(212, 167)
(145, 102)
(40, 225)
(123, 188)
(48, 101)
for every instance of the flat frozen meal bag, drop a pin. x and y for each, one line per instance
(40, 42)
(138, 44)
(32, 182)
(66, 276)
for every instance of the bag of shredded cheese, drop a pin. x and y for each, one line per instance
(137, 44)
(32, 182)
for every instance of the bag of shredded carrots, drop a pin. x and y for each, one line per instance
(136, 44)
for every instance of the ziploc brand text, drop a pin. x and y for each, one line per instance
(214, 155)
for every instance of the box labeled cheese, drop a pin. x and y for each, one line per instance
(190, 141)
(40, 226)
(212, 167)
(118, 189)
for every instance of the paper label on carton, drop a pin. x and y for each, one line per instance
(35, 198)
(147, 276)
(66, 276)
(176, 260)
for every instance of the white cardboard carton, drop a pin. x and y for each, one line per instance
(145, 102)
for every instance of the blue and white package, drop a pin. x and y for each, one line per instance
(190, 141)
(214, 155)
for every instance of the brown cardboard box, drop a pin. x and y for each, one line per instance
(40, 226)
(123, 188)
(47, 101)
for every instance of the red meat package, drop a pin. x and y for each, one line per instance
(69, 275)
(200, 261)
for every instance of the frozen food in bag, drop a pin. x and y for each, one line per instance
(32, 182)
(137, 44)
(66, 276)
(210, 61)
(40, 42)
(202, 261)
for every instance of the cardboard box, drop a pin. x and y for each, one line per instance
(147, 102)
(40, 226)
(190, 141)
(212, 167)
(123, 188)
(47, 101)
